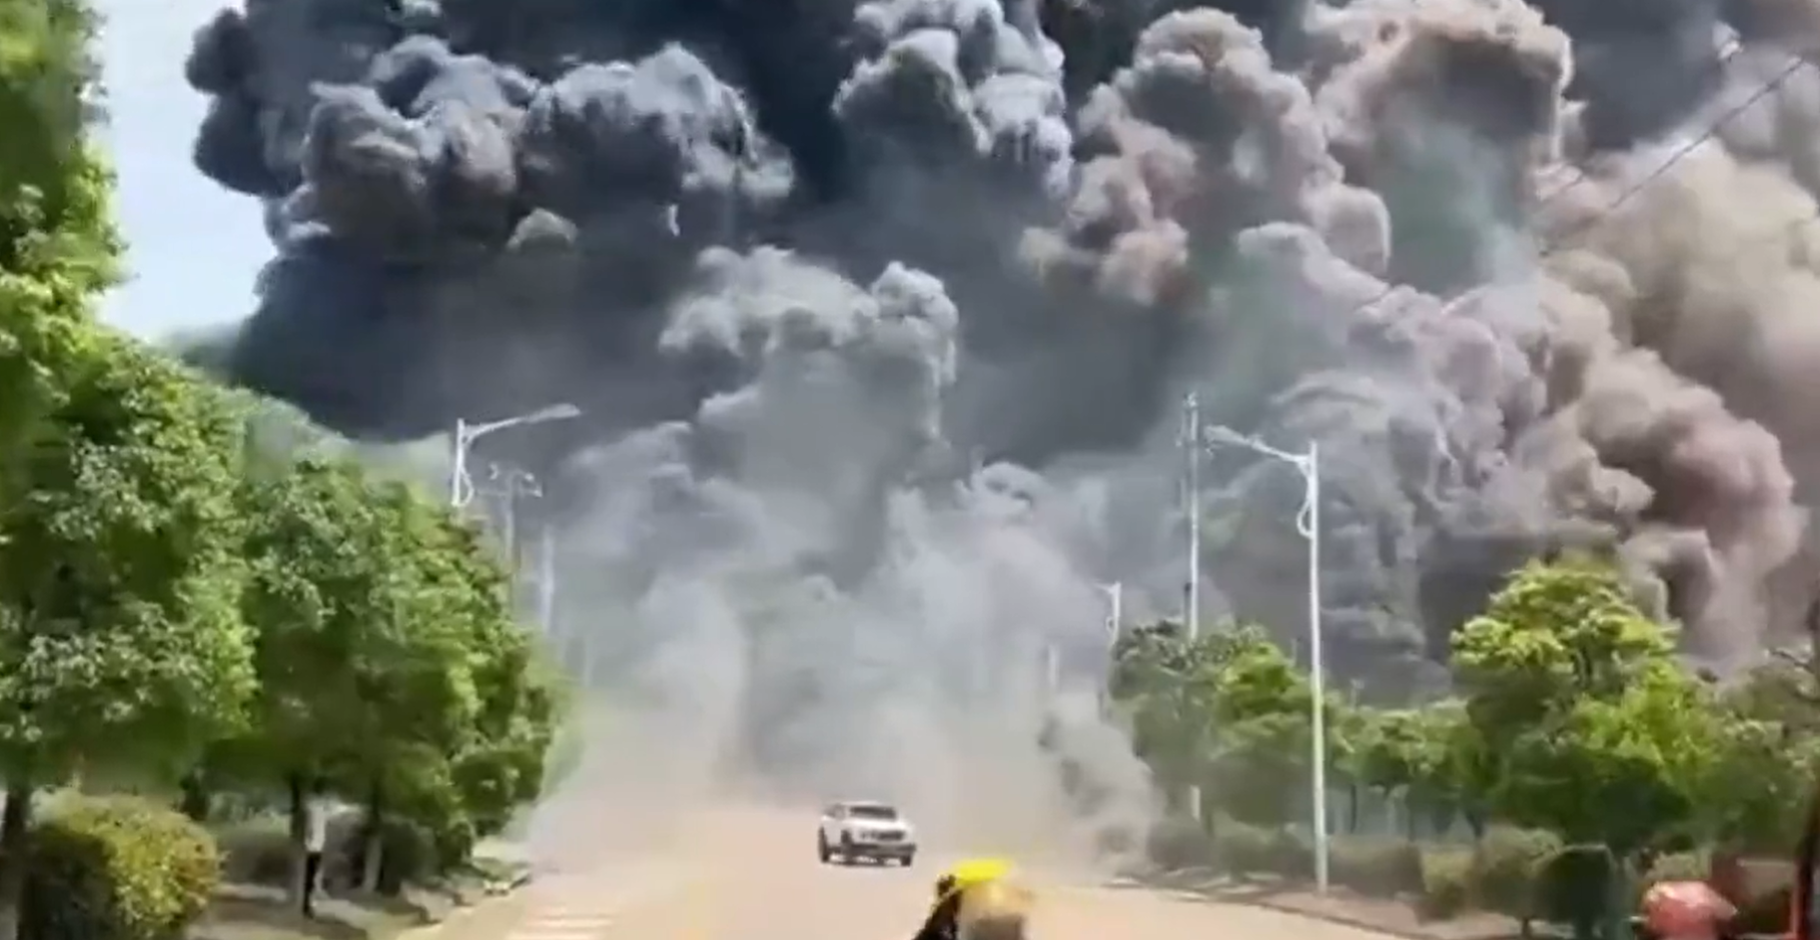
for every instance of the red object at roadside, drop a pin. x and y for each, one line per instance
(1685, 910)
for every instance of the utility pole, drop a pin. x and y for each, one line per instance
(1191, 445)
(1115, 619)
(513, 484)
(546, 579)
(1115, 614)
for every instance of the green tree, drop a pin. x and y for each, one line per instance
(121, 645)
(1557, 632)
(58, 248)
(1620, 771)
(1414, 753)
(1227, 708)
(1578, 719)
(1762, 780)
(1263, 729)
(366, 678)
(1167, 686)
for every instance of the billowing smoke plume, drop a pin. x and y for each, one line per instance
(879, 313)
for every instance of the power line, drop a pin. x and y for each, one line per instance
(1732, 50)
(1637, 186)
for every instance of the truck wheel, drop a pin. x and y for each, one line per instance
(847, 856)
(821, 848)
(908, 859)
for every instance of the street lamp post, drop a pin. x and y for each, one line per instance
(461, 486)
(513, 484)
(1191, 444)
(1115, 601)
(461, 492)
(1115, 619)
(1052, 657)
(1308, 525)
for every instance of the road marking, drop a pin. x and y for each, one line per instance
(584, 906)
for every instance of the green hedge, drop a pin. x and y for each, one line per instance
(1503, 873)
(259, 851)
(1574, 886)
(1178, 844)
(1243, 848)
(119, 868)
(1380, 867)
(1447, 890)
(1525, 874)
(1507, 871)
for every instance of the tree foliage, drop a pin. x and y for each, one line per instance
(1228, 711)
(1571, 714)
(390, 662)
(120, 634)
(179, 574)
(1582, 722)
(1621, 771)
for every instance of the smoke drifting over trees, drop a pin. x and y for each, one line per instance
(806, 265)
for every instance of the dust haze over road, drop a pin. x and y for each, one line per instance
(878, 313)
(746, 873)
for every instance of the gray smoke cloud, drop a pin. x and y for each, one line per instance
(879, 313)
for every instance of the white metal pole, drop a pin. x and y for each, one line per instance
(458, 465)
(1193, 429)
(508, 522)
(1115, 601)
(1317, 667)
(546, 580)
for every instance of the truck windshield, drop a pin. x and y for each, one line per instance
(884, 813)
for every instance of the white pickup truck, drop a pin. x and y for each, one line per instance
(857, 829)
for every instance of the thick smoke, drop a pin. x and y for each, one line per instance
(879, 313)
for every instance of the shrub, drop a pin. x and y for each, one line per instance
(1507, 868)
(1178, 843)
(1291, 854)
(1677, 866)
(1242, 848)
(1574, 887)
(119, 868)
(1246, 849)
(410, 854)
(1378, 866)
(1762, 891)
(1446, 883)
(256, 850)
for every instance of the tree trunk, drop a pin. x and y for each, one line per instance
(15, 825)
(1476, 823)
(195, 801)
(375, 834)
(299, 812)
(1352, 808)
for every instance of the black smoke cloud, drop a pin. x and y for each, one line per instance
(865, 301)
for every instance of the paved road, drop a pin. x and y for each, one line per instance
(752, 875)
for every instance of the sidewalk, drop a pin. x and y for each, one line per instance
(569, 906)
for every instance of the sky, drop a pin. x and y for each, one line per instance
(193, 248)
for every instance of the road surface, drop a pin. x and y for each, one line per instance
(753, 875)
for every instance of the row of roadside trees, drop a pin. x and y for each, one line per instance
(186, 606)
(1572, 716)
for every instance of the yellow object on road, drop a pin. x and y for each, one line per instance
(985, 901)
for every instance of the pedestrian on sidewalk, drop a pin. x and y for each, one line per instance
(316, 808)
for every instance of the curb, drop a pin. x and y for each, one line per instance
(1342, 920)
(495, 896)
(1186, 892)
